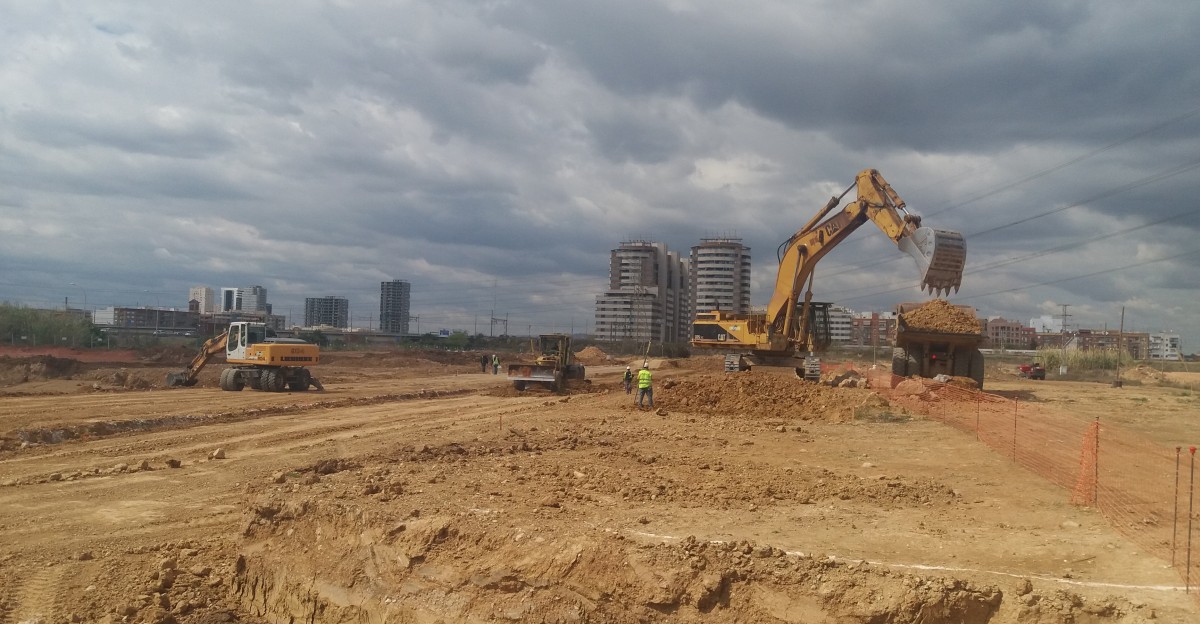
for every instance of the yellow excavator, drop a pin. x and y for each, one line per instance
(792, 321)
(256, 358)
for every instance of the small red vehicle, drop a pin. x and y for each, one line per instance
(1033, 370)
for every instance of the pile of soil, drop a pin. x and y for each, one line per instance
(761, 396)
(592, 356)
(15, 371)
(942, 317)
(389, 524)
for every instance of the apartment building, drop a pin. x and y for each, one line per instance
(719, 276)
(647, 295)
(394, 298)
(326, 311)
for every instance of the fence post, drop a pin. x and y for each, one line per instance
(1187, 576)
(1096, 469)
(1016, 402)
(1175, 521)
(978, 400)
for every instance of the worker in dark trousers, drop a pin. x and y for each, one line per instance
(645, 386)
(483, 362)
(628, 381)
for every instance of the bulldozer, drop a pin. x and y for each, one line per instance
(256, 358)
(552, 365)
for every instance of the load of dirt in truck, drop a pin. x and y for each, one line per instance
(941, 316)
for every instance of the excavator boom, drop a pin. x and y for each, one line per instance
(940, 256)
(188, 376)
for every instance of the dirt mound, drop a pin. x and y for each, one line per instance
(592, 356)
(169, 355)
(760, 396)
(15, 371)
(462, 565)
(941, 316)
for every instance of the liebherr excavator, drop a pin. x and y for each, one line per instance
(792, 321)
(256, 358)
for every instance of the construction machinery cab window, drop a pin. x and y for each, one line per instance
(549, 345)
(255, 335)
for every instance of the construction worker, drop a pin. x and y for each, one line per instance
(495, 364)
(628, 380)
(483, 363)
(645, 388)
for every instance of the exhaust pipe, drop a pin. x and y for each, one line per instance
(940, 256)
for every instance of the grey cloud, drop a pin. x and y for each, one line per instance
(138, 136)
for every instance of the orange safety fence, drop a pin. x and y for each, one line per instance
(1131, 480)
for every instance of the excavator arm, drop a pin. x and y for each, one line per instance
(187, 377)
(940, 255)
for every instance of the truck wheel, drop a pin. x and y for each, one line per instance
(519, 385)
(900, 363)
(977, 367)
(231, 380)
(269, 380)
(301, 380)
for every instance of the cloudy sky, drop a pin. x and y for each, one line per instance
(493, 153)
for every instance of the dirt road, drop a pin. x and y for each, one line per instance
(423, 498)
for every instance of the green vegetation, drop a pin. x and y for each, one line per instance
(1083, 359)
(31, 326)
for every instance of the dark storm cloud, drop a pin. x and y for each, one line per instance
(639, 140)
(458, 144)
(926, 76)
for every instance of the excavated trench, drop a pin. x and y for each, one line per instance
(331, 558)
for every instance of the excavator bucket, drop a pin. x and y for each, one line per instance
(178, 380)
(940, 256)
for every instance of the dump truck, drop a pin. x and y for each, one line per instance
(794, 328)
(551, 365)
(938, 338)
(257, 358)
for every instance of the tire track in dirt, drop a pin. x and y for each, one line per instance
(38, 594)
(264, 431)
(209, 497)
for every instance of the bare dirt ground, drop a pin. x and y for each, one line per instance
(416, 489)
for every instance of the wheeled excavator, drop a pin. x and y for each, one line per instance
(256, 358)
(792, 321)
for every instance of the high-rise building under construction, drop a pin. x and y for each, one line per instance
(393, 306)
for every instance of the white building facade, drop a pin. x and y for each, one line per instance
(720, 276)
(647, 296)
(1166, 346)
(204, 297)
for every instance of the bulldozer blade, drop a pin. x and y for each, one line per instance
(940, 256)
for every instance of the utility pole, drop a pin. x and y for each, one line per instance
(1120, 347)
(1062, 367)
